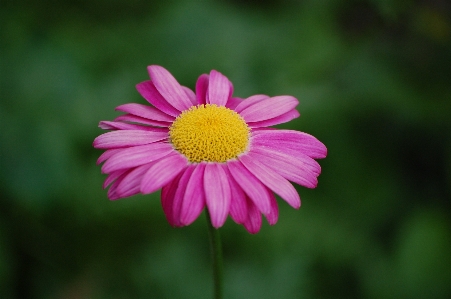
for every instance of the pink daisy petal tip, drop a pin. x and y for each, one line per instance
(207, 149)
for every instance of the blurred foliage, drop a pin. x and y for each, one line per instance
(373, 80)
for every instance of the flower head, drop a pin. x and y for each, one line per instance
(208, 149)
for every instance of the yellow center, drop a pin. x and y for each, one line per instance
(209, 133)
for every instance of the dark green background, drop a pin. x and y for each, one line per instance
(374, 83)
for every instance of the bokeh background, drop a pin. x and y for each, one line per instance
(373, 78)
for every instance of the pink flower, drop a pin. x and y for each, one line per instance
(208, 149)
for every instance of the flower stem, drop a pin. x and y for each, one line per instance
(216, 255)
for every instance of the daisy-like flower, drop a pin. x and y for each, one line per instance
(208, 149)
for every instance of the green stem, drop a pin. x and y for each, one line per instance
(216, 255)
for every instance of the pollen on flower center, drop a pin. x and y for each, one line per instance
(209, 133)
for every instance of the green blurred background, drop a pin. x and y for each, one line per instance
(374, 83)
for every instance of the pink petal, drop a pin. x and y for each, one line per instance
(250, 185)
(300, 141)
(180, 193)
(149, 92)
(194, 199)
(113, 176)
(130, 184)
(238, 205)
(169, 88)
(217, 193)
(230, 89)
(269, 108)
(289, 155)
(162, 172)
(272, 180)
(107, 154)
(140, 120)
(145, 112)
(112, 194)
(252, 100)
(218, 89)
(136, 156)
(290, 115)
(291, 170)
(118, 125)
(191, 95)
(273, 216)
(167, 199)
(297, 158)
(233, 103)
(201, 88)
(253, 222)
(124, 138)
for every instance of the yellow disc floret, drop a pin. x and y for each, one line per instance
(209, 133)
